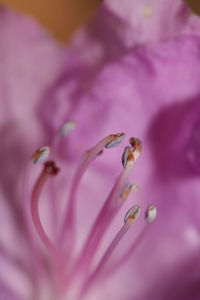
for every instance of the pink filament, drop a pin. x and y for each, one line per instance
(68, 227)
(36, 266)
(53, 209)
(109, 210)
(106, 215)
(35, 214)
(25, 205)
(119, 236)
(116, 266)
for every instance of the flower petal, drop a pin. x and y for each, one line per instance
(30, 63)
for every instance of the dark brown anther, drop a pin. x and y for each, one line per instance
(50, 168)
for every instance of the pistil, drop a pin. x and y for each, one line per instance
(49, 170)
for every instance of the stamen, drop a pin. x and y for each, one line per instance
(67, 128)
(49, 170)
(41, 154)
(150, 214)
(109, 210)
(68, 222)
(87, 152)
(37, 156)
(130, 217)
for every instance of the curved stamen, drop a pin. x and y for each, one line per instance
(106, 215)
(150, 216)
(53, 210)
(130, 217)
(67, 229)
(25, 206)
(125, 258)
(38, 156)
(49, 170)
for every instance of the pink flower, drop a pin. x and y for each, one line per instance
(135, 69)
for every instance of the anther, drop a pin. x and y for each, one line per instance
(126, 191)
(132, 215)
(127, 156)
(115, 140)
(150, 213)
(67, 128)
(40, 154)
(135, 187)
(50, 168)
(136, 145)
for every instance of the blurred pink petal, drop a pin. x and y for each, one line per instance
(135, 69)
(30, 63)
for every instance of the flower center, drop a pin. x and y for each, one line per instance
(81, 270)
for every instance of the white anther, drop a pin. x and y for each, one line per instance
(41, 154)
(150, 214)
(67, 128)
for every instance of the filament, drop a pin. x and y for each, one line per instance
(126, 256)
(109, 210)
(68, 227)
(129, 219)
(44, 176)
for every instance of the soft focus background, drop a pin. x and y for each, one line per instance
(62, 17)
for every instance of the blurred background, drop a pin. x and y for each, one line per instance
(62, 17)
